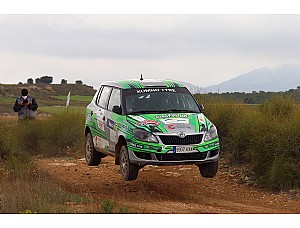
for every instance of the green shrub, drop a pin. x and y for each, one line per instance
(281, 174)
(265, 137)
(225, 116)
(123, 210)
(62, 132)
(241, 137)
(108, 206)
(55, 135)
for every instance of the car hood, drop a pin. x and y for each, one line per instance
(170, 122)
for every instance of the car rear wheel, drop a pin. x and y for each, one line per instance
(92, 157)
(208, 170)
(128, 170)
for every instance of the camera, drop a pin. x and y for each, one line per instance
(25, 101)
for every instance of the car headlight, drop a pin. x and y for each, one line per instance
(143, 135)
(211, 134)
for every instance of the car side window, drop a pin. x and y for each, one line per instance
(114, 99)
(104, 97)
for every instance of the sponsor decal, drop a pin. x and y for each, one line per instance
(112, 124)
(89, 117)
(137, 145)
(124, 127)
(113, 136)
(148, 122)
(138, 118)
(175, 121)
(100, 142)
(100, 125)
(139, 91)
(179, 115)
(116, 127)
(171, 126)
(178, 126)
(201, 119)
(152, 148)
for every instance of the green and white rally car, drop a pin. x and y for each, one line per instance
(149, 122)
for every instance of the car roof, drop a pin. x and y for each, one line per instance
(146, 83)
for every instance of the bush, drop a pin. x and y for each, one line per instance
(57, 135)
(279, 107)
(108, 206)
(63, 132)
(265, 137)
(225, 116)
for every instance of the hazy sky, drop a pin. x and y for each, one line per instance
(196, 48)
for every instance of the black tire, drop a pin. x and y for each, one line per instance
(209, 170)
(92, 157)
(128, 170)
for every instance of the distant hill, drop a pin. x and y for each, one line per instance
(46, 90)
(269, 80)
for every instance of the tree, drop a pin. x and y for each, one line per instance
(44, 79)
(78, 82)
(64, 81)
(38, 81)
(29, 81)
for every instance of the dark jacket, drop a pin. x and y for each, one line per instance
(25, 111)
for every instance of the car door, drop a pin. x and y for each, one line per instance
(101, 141)
(112, 118)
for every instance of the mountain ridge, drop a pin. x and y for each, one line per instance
(277, 79)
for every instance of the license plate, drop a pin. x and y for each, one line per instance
(183, 149)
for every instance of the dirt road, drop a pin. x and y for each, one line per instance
(164, 189)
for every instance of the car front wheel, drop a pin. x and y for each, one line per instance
(208, 170)
(128, 170)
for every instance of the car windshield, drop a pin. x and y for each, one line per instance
(159, 100)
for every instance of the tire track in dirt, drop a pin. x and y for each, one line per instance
(166, 189)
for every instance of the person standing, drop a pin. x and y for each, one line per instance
(26, 106)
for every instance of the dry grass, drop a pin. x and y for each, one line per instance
(266, 138)
(23, 188)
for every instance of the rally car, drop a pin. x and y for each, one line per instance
(149, 122)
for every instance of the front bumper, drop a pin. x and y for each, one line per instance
(173, 159)
(165, 151)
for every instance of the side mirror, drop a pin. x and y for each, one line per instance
(117, 109)
(201, 107)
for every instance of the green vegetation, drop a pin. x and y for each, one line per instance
(265, 137)
(62, 109)
(51, 136)
(23, 188)
(108, 206)
(75, 98)
(9, 100)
